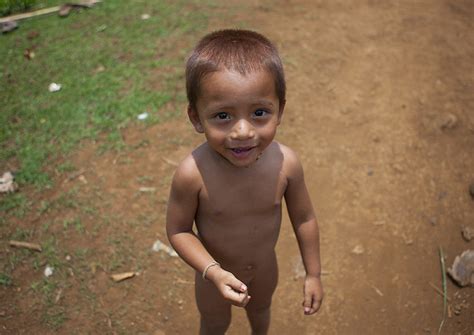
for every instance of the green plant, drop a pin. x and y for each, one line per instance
(5, 280)
(13, 6)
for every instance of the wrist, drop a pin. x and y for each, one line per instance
(211, 270)
(316, 275)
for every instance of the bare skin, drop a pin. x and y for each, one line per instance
(232, 187)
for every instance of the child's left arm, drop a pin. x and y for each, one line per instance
(306, 230)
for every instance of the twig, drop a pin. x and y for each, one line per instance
(376, 290)
(26, 245)
(30, 14)
(169, 161)
(122, 276)
(438, 291)
(443, 273)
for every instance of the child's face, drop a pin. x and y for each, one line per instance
(238, 114)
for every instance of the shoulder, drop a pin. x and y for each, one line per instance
(292, 167)
(187, 176)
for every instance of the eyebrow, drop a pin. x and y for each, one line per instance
(267, 103)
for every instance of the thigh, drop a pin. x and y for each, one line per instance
(263, 285)
(210, 303)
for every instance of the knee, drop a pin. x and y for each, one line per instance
(211, 325)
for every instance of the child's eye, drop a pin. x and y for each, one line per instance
(222, 116)
(260, 112)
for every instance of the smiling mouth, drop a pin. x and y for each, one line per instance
(241, 150)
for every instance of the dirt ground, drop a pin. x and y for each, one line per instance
(381, 112)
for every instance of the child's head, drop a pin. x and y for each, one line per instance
(242, 51)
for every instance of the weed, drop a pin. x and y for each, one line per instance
(68, 199)
(45, 206)
(50, 254)
(5, 280)
(66, 167)
(76, 222)
(16, 204)
(54, 317)
(144, 180)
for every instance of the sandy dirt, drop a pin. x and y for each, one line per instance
(381, 112)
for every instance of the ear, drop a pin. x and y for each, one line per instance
(280, 111)
(194, 118)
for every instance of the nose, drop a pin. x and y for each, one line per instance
(242, 130)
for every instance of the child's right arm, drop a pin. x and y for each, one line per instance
(182, 207)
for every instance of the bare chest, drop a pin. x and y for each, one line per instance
(233, 196)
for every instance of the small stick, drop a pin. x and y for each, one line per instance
(122, 276)
(377, 290)
(438, 291)
(169, 161)
(443, 270)
(26, 245)
(30, 14)
(147, 189)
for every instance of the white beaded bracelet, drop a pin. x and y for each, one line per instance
(207, 269)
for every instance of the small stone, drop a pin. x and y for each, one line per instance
(462, 270)
(48, 271)
(54, 87)
(82, 179)
(457, 310)
(467, 233)
(358, 250)
(448, 121)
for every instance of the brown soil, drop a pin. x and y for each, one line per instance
(381, 111)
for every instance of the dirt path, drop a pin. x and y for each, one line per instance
(381, 111)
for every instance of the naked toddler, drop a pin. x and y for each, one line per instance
(232, 185)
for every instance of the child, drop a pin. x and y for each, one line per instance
(232, 185)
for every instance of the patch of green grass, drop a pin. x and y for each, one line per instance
(21, 234)
(50, 253)
(8, 7)
(66, 167)
(54, 317)
(52, 314)
(112, 66)
(15, 204)
(67, 200)
(5, 280)
(76, 223)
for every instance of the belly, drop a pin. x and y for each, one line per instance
(242, 240)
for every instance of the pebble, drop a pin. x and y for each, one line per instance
(54, 87)
(448, 121)
(467, 233)
(358, 250)
(48, 271)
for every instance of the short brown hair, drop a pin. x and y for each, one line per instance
(238, 50)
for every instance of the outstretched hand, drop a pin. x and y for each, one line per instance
(230, 287)
(313, 294)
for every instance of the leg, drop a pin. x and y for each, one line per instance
(214, 309)
(261, 289)
(259, 320)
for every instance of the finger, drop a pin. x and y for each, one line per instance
(307, 303)
(237, 298)
(246, 301)
(316, 305)
(237, 285)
